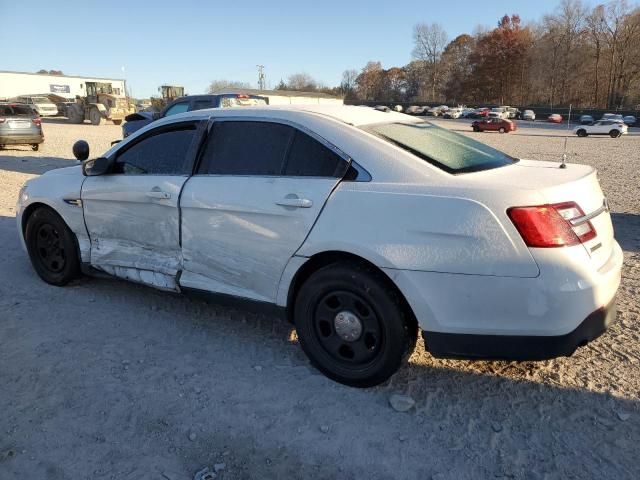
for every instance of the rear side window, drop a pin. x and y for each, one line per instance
(200, 104)
(164, 153)
(310, 158)
(447, 150)
(246, 148)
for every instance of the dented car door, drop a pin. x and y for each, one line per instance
(132, 214)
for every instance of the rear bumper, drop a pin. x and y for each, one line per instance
(519, 347)
(21, 139)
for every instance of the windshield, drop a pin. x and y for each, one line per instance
(16, 111)
(450, 151)
(40, 100)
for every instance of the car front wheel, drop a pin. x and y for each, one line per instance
(614, 133)
(52, 247)
(582, 132)
(352, 325)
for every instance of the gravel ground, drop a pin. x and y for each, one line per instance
(109, 380)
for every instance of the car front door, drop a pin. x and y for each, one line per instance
(258, 190)
(132, 215)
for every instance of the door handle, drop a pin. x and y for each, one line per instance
(158, 194)
(296, 202)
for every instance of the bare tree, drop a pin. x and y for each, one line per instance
(429, 42)
(301, 82)
(348, 84)
(216, 85)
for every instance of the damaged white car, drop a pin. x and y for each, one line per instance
(368, 227)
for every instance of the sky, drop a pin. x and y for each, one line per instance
(191, 43)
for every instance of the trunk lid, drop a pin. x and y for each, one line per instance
(577, 183)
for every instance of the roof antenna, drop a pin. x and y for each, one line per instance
(564, 153)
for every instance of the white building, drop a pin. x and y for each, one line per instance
(15, 84)
(286, 97)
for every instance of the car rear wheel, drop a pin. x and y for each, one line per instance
(352, 325)
(476, 128)
(614, 134)
(52, 247)
(501, 130)
(35, 147)
(582, 132)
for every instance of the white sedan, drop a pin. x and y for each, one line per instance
(613, 128)
(366, 227)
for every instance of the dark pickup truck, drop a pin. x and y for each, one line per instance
(136, 121)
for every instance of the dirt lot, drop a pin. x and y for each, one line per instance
(109, 380)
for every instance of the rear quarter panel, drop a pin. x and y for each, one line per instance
(412, 230)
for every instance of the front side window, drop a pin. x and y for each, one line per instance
(164, 153)
(447, 150)
(177, 108)
(246, 148)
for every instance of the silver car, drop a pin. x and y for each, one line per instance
(20, 125)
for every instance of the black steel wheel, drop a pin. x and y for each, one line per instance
(52, 247)
(352, 324)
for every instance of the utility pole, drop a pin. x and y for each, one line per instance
(260, 76)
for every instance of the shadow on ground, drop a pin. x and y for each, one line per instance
(121, 375)
(627, 230)
(33, 164)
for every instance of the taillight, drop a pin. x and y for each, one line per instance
(36, 121)
(549, 226)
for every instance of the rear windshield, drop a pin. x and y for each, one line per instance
(452, 152)
(244, 101)
(16, 111)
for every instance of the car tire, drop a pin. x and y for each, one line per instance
(117, 122)
(35, 147)
(95, 116)
(352, 325)
(582, 132)
(501, 130)
(52, 247)
(476, 129)
(614, 134)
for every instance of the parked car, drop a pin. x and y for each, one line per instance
(382, 108)
(630, 120)
(398, 108)
(613, 128)
(453, 113)
(40, 104)
(415, 110)
(267, 206)
(467, 112)
(529, 115)
(494, 125)
(513, 112)
(501, 112)
(586, 120)
(481, 113)
(613, 116)
(555, 118)
(136, 121)
(20, 125)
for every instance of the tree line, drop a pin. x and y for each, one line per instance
(576, 55)
(586, 57)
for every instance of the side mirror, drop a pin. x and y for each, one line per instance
(96, 166)
(81, 150)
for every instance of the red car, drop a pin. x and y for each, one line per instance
(493, 124)
(555, 118)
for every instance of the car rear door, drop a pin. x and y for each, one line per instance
(132, 214)
(255, 197)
